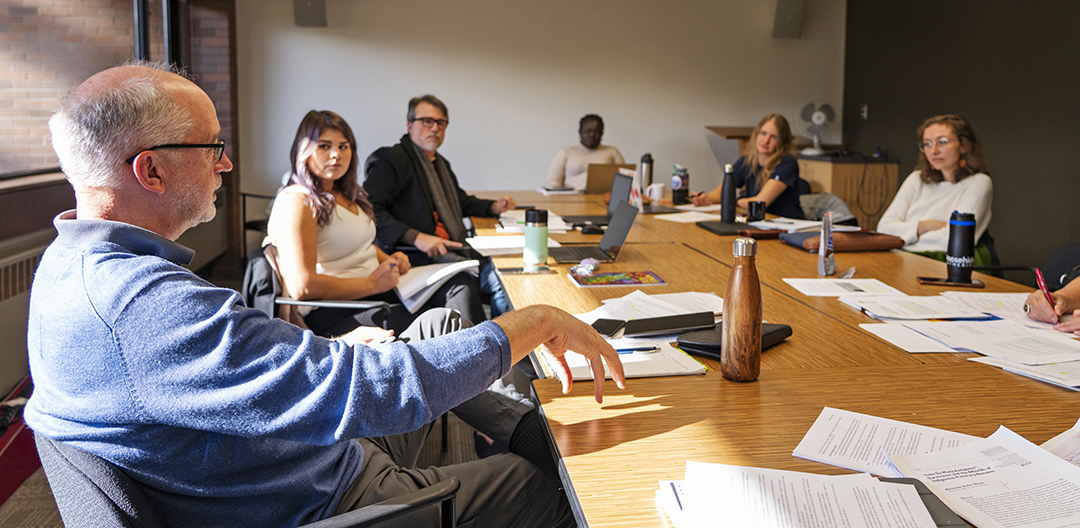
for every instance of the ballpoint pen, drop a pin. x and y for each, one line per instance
(1042, 286)
(636, 349)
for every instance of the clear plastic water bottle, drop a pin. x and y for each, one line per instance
(680, 185)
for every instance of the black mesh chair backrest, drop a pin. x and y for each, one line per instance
(92, 492)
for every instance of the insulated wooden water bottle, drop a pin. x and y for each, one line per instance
(740, 342)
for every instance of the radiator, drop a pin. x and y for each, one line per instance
(18, 260)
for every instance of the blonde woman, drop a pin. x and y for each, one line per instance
(766, 172)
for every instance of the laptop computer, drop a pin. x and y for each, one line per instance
(600, 176)
(620, 192)
(610, 245)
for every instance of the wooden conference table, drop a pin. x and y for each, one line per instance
(613, 454)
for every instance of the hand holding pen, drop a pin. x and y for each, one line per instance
(1049, 311)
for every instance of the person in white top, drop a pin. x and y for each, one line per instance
(570, 168)
(951, 175)
(323, 226)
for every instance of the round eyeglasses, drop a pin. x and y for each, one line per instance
(942, 142)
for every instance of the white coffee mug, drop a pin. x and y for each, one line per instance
(655, 192)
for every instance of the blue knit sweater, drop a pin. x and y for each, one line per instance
(227, 417)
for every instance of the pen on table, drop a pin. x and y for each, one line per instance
(1042, 286)
(636, 349)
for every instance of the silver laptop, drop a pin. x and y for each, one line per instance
(610, 245)
(620, 192)
(599, 176)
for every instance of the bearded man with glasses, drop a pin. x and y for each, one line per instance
(418, 201)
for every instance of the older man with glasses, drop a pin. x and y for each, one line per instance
(418, 201)
(221, 415)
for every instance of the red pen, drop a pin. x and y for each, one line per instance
(1042, 286)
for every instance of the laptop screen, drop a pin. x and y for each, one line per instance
(618, 228)
(620, 192)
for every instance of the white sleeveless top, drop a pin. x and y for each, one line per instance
(346, 245)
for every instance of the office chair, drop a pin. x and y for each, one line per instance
(92, 492)
(258, 224)
(262, 290)
(1061, 267)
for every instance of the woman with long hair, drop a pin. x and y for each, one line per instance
(950, 175)
(323, 227)
(766, 171)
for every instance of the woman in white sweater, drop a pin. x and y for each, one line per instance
(950, 175)
(570, 168)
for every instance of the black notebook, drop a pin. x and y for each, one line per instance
(706, 343)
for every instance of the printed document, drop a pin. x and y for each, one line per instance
(859, 441)
(420, 283)
(1008, 306)
(838, 287)
(722, 495)
(663, 360)
(905, 338)
(502, 245)
(688, 217)
(1002, 481)
(1002, 339)
(1065, 374)
(1066, 445)
(912, 308)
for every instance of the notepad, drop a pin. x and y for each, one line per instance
(664, 361)
(617, 278)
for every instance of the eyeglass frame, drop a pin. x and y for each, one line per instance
(443, 123)
(219, 148)
(938, 142)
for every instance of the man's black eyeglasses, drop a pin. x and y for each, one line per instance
(430, 122)
(219, 148)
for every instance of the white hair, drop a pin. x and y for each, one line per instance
(94, 135)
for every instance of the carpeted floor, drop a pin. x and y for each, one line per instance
(32, 505)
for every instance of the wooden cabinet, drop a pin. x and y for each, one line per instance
(867, 185)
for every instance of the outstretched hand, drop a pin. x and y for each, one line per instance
(559, 332)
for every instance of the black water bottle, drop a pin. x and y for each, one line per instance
(727, 196)
(961, 255)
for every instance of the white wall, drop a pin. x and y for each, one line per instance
(518, 75)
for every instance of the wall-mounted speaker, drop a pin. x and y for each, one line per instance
(309, 13)
(789, 19)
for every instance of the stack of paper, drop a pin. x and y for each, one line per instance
(794, 225)
(842, 287)
(513, 221)
(645, 358)
(502, 245)
(688, 217)
(911, 308)
(722, 495)
(558, 191)
(1002, 481)
(639, 305)
(859, 441)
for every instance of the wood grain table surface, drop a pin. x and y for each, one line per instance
(613, 454)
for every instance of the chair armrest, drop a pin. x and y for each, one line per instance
(443, 492)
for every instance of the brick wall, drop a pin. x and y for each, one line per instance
(48, 47)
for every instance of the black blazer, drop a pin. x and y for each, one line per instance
(401, 197)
